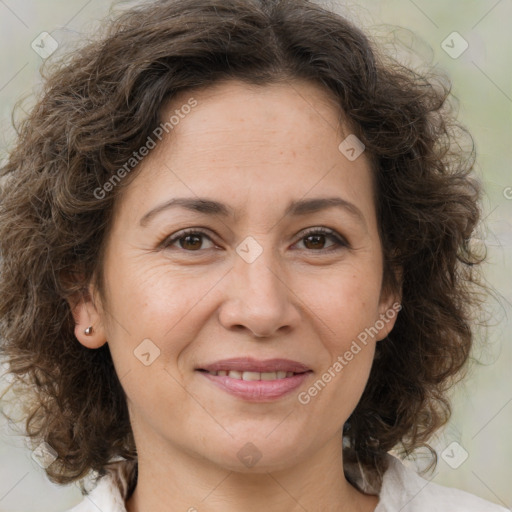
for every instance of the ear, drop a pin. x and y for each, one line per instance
(86, 314)
(389, 306)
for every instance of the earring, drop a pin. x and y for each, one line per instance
(88, 331)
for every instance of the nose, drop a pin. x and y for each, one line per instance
(259, 299)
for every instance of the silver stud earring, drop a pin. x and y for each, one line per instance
(88, 331)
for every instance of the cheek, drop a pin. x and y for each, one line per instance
(348, 303)
(157, 304)
(347, 313)
(151, 327)
(348, 308)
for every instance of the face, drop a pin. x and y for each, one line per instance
(267, 280)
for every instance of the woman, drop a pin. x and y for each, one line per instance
(237, 268)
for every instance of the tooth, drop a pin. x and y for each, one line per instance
(251, 375)
(235, 374)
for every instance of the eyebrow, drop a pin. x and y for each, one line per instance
(215, 208)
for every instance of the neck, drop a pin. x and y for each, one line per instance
(182, 482)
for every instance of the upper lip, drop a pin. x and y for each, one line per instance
(248, 364)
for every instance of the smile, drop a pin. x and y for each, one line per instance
(241, 375)
(256, 380)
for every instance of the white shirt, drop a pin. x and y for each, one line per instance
(402, 490)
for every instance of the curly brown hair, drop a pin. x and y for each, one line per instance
(101, 104)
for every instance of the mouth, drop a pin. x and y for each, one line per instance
(251, 365)
(256, 380)
(249, 375)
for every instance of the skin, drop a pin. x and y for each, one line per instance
(254, 149)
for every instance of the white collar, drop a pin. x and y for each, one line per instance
(402, 489)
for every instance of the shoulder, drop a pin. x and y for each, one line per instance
(405, 490)
(108, 493)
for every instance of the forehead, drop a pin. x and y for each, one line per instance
(236, 103)
(251, 143)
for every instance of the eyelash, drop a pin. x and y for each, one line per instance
(340, 242)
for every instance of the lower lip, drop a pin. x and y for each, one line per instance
(258, 390)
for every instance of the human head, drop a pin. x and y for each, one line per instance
(100, 109)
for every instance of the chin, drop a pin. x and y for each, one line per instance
(258, 452)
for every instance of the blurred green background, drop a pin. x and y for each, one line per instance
(481, 425)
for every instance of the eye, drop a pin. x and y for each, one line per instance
(315, 239)
(190, 240)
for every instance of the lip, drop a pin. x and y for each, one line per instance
(256, 390)
(248, 364)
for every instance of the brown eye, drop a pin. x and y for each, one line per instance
(189, 240)
(316, 240)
